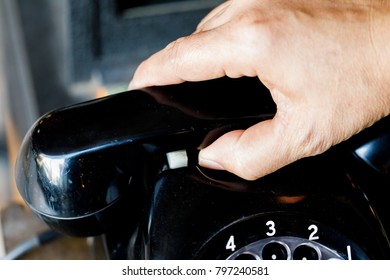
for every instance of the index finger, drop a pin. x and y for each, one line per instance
(199, 56)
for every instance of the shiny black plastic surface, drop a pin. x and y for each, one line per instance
(77, 162)
(313, 198)
(101, 167)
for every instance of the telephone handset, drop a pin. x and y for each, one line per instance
(125, 166)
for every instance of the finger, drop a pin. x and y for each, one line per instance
(251, 153)
(180, 61)
(200, 56)
(215, 18)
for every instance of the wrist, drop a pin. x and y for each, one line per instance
(380, 35)
(380, 44)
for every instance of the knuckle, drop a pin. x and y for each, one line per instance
(175, 56)
(303, 135)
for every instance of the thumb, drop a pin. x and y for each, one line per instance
(250, 154)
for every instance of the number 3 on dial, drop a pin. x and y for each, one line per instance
(271, 228)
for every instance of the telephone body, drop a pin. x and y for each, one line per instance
(125, 167)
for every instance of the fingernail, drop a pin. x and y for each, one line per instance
(210, 164)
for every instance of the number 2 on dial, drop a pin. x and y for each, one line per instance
(314, 231)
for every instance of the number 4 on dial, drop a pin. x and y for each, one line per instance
(230, 245)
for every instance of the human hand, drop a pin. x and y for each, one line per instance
(325, 63)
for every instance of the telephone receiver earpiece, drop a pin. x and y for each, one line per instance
(125, 166)
(79, 166)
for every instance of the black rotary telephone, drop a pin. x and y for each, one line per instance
(125, 167)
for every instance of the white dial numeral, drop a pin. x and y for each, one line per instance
(230, 245)
(349, 252)
(271, 228)
(314, 231)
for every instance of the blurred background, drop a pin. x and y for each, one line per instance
(58, 52)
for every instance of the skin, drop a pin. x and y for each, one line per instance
(326, 64)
